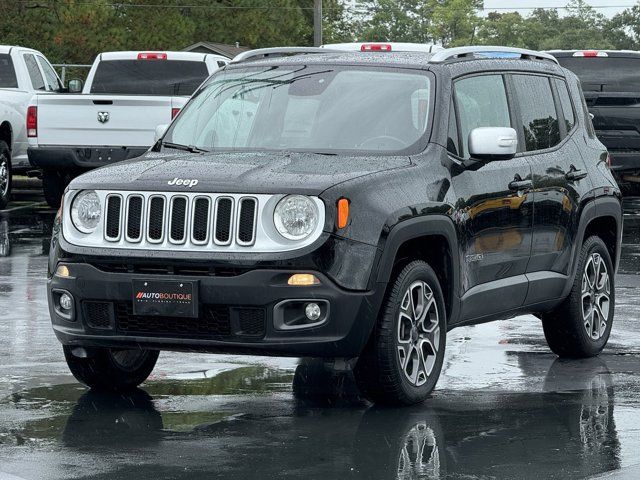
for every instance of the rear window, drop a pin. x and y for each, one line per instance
(605, 74)
(7, 72)
(149, 77)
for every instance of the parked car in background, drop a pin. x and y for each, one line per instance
(611, 84)
(126, 96)
(23, 72)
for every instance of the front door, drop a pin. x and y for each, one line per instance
(494, 213)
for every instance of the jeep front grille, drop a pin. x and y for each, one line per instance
(168, 216)
(186, 221)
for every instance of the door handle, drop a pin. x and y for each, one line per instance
(574, 174)
(518, 184)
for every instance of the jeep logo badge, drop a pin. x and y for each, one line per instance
(103, 117)
(183, 181)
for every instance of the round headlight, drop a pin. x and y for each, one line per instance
(296, 217)
(86, 211)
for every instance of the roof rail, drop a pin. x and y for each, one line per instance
(279, 52)
(461, 52)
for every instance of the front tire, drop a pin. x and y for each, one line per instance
(581, 325)
(5, 175)
(403, 359)
(110, 369)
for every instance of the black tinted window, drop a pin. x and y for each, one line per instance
(34, 72)
(605, 74)
(149, 77)
(482, 102)
(565, 101)
(537, 109)
(7, 72)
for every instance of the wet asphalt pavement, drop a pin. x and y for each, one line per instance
(505, 406)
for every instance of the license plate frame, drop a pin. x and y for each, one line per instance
(165, 298)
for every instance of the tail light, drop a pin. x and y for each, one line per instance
(375, 47)
(609, 160)
(590, 53)
(174, 112)
(152, 56)
(32, 121)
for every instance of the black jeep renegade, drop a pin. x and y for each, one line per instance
(351, 206)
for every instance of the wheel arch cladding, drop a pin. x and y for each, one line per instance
(433, 240)
(606, 228)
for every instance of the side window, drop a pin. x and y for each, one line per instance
(34, 72)
(585, 110)
(538, 115)
(565, 101)
(452, 136)
(482, 102)
(50, 76)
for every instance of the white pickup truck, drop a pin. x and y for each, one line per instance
(126, 96)
(23, 73)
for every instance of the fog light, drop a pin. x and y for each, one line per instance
(62, 271)
(65, 301)
(303, 279)
(312, 311)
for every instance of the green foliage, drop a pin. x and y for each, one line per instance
(74, 31)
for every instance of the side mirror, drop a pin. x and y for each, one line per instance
(75, 86)
(160, 131)
(493, 143)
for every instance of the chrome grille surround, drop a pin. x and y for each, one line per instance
(263, 237)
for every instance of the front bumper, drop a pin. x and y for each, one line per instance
(71, 157)
(222, 300)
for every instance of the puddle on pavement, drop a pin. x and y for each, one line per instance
(46, 411)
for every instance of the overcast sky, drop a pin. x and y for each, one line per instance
(606, 7)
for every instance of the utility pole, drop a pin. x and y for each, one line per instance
(317, 23)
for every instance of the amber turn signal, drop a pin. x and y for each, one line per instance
(343, 212)
(303, 279)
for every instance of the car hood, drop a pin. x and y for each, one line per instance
(302, 173)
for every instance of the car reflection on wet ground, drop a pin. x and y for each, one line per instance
(505, 406)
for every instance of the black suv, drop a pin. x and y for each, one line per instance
(611, 86)
(351, 206)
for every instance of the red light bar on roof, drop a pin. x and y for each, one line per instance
(591, 53)
(375, 47)
(152, 56)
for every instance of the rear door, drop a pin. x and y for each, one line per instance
(546, 121)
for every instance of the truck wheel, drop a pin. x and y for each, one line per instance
(580, 326)
(53, 185)
(402, 361)
(5, 174)
(111, 369)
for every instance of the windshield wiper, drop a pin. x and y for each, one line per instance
(186, 148)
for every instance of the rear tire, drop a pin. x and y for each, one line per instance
(112, 370)
(581, 325)
(403, 359)
(53, 185)
(6, 176)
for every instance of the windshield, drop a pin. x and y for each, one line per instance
(605, 74)
(149, 77)
(321, 109)
(7, 72)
